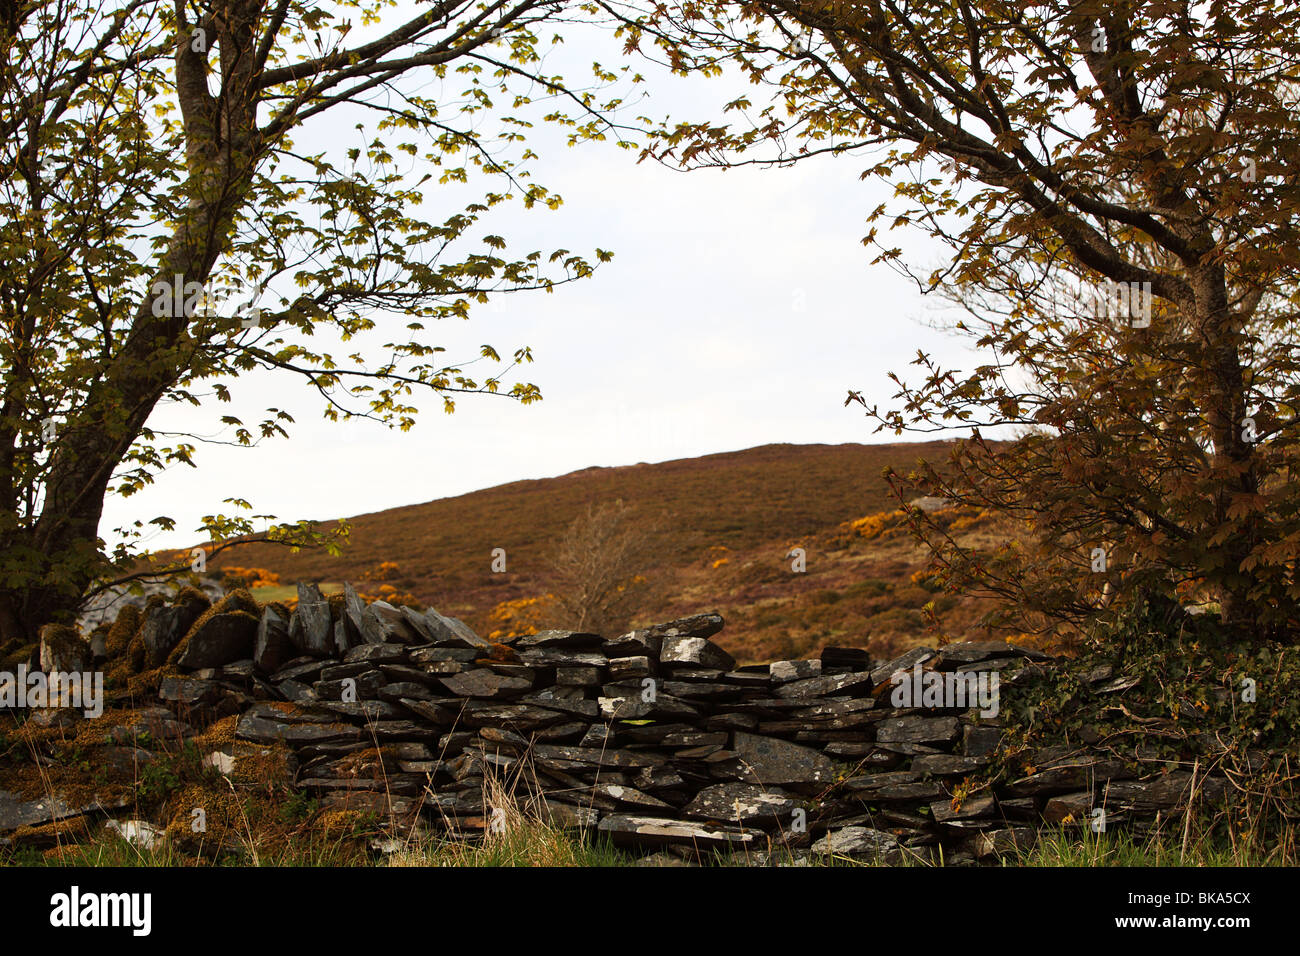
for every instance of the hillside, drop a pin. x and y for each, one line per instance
(724, 526)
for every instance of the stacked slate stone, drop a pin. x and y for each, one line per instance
(656, 738)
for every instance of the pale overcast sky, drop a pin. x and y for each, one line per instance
(738, 311)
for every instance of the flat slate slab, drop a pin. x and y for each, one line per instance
(741, 803)
(856, 841)
(697, 625)
(782, 672)
(1005, 842)
(558, 639)
(686, 651)
(261, 730)
(16, 812)
(770, 760)
(858, 682)
(973, 808)
(483, 683)
(628, 830)
(1068, 775)
(918, 730)
(972, 652)
(882, 675)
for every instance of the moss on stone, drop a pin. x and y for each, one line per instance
(338, 606)
(67, 649)
(191, 595)
(136, 652)
(60, 832)
(61, 632)
(145, 684)
(120, 633)
(116, 675)
(238, 600)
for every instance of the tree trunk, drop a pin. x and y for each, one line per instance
(1234, 462)
(222, 146)
(33, 602)
(24, 611)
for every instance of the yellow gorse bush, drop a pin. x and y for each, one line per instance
(876, 525)
(236, 577)
(519, 617)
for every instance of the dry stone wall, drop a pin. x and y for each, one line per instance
(655, 738)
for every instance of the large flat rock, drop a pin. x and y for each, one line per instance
(769, 760)
(16, 812)
(629, 830)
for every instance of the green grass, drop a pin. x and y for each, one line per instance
(1074, 848)
(533, 844)
(113, 850)
(530, 845)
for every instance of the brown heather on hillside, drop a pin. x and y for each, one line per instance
(726, 525)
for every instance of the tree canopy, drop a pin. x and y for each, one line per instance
(165, 232)
(1117, 183)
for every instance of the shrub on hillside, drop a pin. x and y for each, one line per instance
(598, 568)
(233, 577)
(519, 617)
